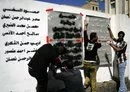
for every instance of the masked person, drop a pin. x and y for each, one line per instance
(119, 46)
(91, 47)
(45, 55)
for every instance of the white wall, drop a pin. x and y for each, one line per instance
(128, 51)
(14, 75)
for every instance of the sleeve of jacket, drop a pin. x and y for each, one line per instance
(85, 38)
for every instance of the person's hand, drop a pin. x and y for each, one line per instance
(108, 27)
(109, 42)
(85, 22)
(98, 41)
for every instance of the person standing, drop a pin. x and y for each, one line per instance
(119, 47)
(45, 55)
(91, 47)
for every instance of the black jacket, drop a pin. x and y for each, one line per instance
(72, 79)
(44, 55)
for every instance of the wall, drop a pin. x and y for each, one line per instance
(14, 75)
(17, 47)
(128, 50)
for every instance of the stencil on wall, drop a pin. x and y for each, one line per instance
(67, 28)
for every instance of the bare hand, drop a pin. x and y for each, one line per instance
(85, 22)
(99, 41)
(109, 42)
(108, 27)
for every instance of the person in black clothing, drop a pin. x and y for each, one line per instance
(91, 47)
(54, 85)
(71, 77)
(45, 55)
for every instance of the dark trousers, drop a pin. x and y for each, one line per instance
(42, 79)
